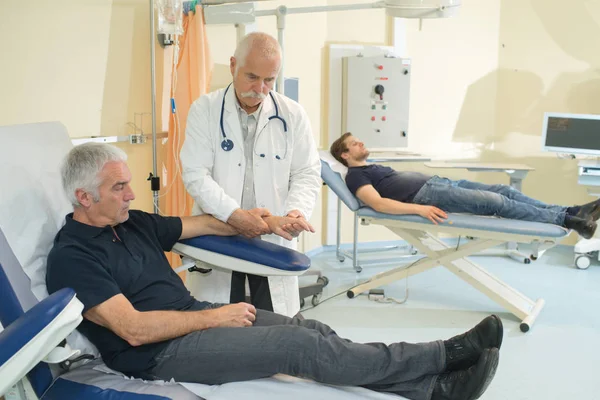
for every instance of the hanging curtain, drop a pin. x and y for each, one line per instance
(191, 80)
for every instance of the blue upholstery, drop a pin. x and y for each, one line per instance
(10, 308)
(468, 221)
(252, 250)
(63, 389)
(91, 381)
(336, 183)
(24, 329)
(492, 224)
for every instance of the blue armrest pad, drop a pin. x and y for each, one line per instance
(252, 250)
(478, 222)
(25, 328)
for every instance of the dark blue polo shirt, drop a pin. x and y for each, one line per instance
(389, 183)
(99, 263)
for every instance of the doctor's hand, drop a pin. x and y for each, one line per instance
(432, 213)
(249, 223)
(235, 315)
(297, 227)
(287, 227)
(295, 214)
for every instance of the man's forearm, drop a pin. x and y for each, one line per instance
(205, 225)
(390, 206)
(157, 326)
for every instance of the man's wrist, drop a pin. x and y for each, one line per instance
(270, 218)
(209, 316)
(233, 215)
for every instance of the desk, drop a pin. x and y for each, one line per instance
(516, 174)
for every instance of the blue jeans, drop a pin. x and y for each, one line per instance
(480, 199)
(302, 348)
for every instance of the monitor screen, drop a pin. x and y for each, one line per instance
(571, 133)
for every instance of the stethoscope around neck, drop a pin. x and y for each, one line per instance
(227, 144)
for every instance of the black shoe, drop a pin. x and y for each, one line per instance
(590, 210)
(463, 351)
(467, 384)
(585, 227)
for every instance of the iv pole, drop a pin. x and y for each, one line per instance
(153, 178)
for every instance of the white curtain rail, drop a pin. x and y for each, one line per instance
(348, 7)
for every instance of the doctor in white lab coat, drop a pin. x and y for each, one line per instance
(249, 153)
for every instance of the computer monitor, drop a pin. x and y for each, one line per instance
(571, 133)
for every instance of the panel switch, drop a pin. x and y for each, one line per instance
(379, 89)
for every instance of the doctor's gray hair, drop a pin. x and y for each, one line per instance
(266, 44)
(81, 167)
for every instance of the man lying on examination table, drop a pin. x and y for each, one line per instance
(393, 192)
(145, 323)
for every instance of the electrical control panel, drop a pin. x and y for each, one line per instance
(375, 100)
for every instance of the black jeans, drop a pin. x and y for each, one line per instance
(302, 348)
(260, 295)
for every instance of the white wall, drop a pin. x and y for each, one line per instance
(548, 61)
(85, 64)
(448, 55)
(50, 69)
(480, 81)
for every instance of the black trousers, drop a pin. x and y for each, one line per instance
(260, 295)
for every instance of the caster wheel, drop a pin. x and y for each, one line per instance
(524, 327)
(527, 261)
(358, 269)
(302, 303)
(341, 258)
(582, 262)
(350, 294)
(323, 280)
(316, 299)
(533, 258)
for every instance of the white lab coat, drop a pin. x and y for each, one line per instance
(214, 178)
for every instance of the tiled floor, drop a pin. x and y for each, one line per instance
(558, 359)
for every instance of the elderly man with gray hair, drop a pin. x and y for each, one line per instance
(146, 324)
(250, 160)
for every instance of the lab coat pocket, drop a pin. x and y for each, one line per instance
(281, 172)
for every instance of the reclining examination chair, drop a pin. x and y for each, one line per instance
(420, 233)
(33, 349)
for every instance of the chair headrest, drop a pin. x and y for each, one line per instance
(334, 164)
(336, 182)
(34, 209)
